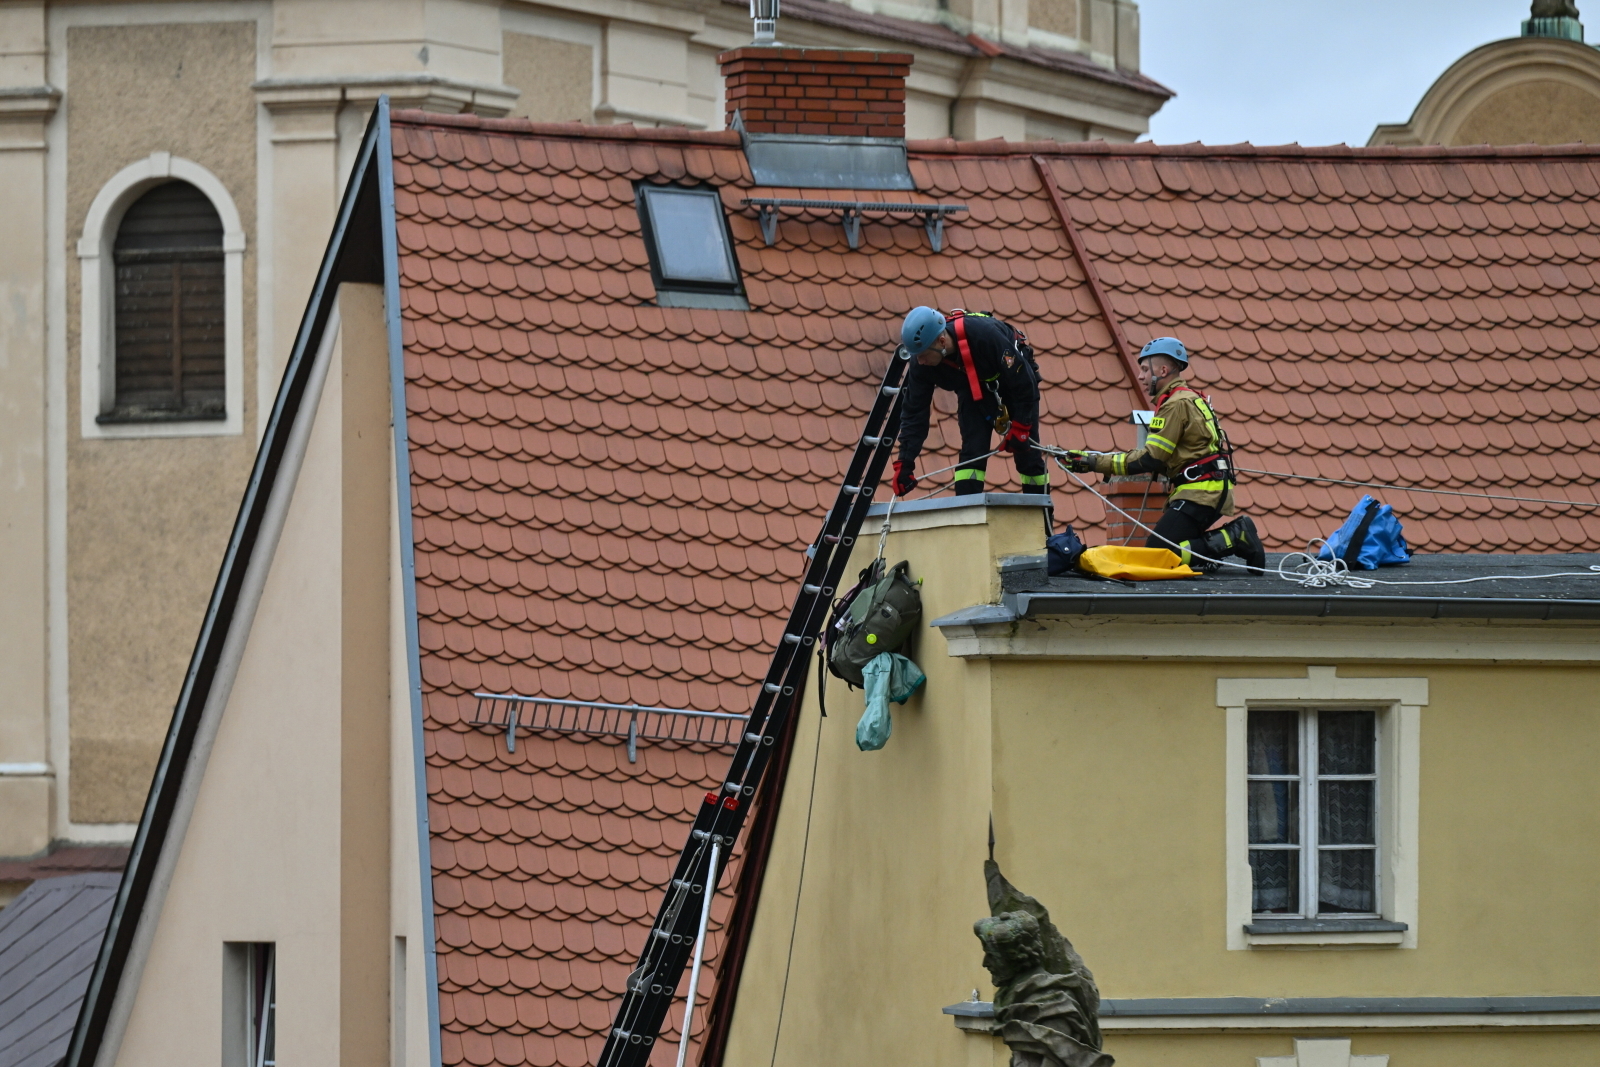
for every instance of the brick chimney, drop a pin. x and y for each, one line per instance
(817, 91)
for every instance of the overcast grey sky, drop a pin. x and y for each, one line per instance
(1316, 72)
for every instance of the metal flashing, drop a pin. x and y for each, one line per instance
(980, 615)
(812, 161)
(1325, 926)
(1237, 1006)
(1030, 605)
(390, 242)
(971, 500)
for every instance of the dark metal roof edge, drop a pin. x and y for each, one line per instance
(1308, 605)
(1258, 1006)
(388, 228)
(971, 500)
(173, 765)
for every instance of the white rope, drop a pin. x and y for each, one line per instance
(1310, 572)
(936, 490)
(1415, 489)
(1314, 573)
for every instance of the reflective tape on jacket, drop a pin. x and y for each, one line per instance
(1216, 485)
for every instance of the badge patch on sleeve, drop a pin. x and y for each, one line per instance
(1157, 422)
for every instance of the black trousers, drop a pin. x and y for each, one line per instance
(1182, 522)
(976, 434)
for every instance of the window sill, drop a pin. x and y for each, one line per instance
(135, 418)
(1331, 933)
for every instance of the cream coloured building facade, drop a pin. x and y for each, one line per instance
(1542, 87)
(115, 526)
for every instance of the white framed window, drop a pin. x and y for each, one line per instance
(249, 1004)
(1313, 812)
(1322, 797)
(162, 340)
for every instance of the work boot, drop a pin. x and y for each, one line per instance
(1238, 538)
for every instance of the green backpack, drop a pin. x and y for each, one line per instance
(873, 618)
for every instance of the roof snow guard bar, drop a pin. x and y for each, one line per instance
(933, 216)
(587, 718)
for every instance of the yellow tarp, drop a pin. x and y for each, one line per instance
(1135, 564)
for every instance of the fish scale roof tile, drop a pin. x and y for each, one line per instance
(612, 498)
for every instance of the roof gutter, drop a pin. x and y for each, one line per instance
(1015, 606)
(213, 666)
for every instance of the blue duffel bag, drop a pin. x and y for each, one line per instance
(1370, 538)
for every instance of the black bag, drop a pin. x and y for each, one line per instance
(873, 618)
(1061, 552)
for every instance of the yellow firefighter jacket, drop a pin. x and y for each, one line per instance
(1184, 429)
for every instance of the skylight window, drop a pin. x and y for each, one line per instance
(691, 250)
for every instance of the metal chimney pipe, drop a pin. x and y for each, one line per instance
(764, 13)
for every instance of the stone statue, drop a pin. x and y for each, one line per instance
(1046, 1006)
(1554, 9)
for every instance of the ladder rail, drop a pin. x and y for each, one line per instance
(652, 985)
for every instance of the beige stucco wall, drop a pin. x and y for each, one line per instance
(1523, 90)
(1536, 112)
(290, 839)
(894, 879)
(148, 519)
(556, 78)
(1109, 793)
(1107, 785)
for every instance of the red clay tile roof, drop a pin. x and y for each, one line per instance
(611, 498)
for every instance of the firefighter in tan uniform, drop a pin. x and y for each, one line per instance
(1187, 444)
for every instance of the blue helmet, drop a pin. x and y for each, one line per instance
(922, 326)
(1170, 347)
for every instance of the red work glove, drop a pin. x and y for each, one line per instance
(1017, 438)
(905, 478)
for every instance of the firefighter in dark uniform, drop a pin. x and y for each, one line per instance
(1187, 444)
(991, 369)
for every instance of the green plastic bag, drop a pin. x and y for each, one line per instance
(887, 676)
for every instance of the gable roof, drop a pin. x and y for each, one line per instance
(610, 498)
(48, 939)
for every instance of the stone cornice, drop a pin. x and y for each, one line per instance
(430, 92)
(20, 103)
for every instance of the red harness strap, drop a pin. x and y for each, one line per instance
(1164, 397)
(960, 320)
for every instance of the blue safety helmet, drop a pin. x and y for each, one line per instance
(922, 326)
(1170, 347)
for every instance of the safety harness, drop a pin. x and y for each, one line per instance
(1019, 342)
(1215, 468)
(959, 318)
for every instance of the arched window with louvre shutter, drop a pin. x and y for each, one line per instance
(162, 270)
(169, 309)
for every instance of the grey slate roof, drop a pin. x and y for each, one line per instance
(49, 937)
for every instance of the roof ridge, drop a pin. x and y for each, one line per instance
(574, 130)
(999, 146)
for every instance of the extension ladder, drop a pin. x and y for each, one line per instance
(653, 985)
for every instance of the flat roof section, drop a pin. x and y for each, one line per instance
(1538, 587)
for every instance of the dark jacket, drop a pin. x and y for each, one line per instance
(1007, 374)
